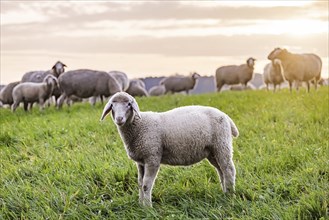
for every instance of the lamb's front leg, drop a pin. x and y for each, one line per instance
(141, 172)
(151, 170)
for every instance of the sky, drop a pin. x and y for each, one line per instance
(156, 38)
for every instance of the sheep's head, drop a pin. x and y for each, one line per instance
(277, 53)
(51, 80)
(123, 107)
(195, 75)
(251, 62)
(58, 68)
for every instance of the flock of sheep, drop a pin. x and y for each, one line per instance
(39, 86)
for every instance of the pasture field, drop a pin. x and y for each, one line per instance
(67, 164)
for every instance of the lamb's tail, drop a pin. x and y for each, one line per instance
(234, 129)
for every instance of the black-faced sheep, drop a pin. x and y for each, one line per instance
(30, 92)
(298, 67)
(235, 74)
(182, 136)
(180, 83)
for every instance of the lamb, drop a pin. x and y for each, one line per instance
(180, 83)
(182, 136)
(273, 74)
(298, 67)
(29, 92)
(85, 83)
(137, 88)
(234, 74)
(38, 76)
(6, 97)
(157, 90)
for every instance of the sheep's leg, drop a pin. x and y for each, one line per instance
(141, 173)
(274, 85)
(26, 104)
(290, 86)
(150, 174)
(223, 157)
(61, 100)
(14, 106)
(42, 104)
(219, 86)
(213, 162)
(308, 85)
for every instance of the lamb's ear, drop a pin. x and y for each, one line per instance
(107, 109)
(135, 107)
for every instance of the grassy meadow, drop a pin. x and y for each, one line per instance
(67, 164)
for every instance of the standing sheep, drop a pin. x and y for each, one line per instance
(180, 83)
(273, 74)
(182, 136)
(6, 96)
(157, 90)
(234, 74)
(29, 92)
(298, 67)
(38, 76)
(137, 88)
(86, 83)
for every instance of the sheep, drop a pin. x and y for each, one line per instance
(180, 83)
(273, 74)
(29, 92)
(122, 78)
(6, 97)
(157, 90)
(181, 136)
(85, 83)
(137, 88)
(234, 74)
(38, 76)
(298, 67)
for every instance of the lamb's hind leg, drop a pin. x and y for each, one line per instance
(213, 162)
(224, 158)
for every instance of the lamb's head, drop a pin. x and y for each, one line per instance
(251, 62)
(58, 68)
(51, 80)
(123, 107)
(277, 53)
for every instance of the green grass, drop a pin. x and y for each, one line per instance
(67, 165)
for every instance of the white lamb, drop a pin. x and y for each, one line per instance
(182, 136)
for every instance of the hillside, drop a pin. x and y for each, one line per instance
(67, 165)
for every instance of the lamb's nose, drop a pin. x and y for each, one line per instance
(119, 119)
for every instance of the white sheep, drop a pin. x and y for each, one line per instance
(157, 90)
(298, 67)
(182, 136)
(273, 74)
(235, 74)
(30, 92)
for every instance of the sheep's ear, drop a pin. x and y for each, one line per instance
(135, 107)
(107, 109)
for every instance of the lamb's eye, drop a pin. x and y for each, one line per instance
(129, 105)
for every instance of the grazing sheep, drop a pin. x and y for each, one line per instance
(86, 83)
(122, 79)
(137, 88)
(29, 92)
(273, 74)
(6, 97)
(298, 67)
(180, 83)
(182, 136)
(157, 90)
(234, 74)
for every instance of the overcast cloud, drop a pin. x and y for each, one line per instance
(156, 38)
